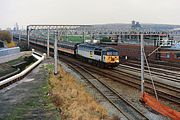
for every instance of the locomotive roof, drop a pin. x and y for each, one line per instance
(96, 46)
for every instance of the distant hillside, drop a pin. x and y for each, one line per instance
(127, 27)
(160, 27)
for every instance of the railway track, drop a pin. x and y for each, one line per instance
(133, 81)
(165, 91)
(174, 78)
(156, 67)
(124, 106)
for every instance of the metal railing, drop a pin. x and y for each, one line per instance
(24, 72)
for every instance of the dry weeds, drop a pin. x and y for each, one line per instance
(73, 101)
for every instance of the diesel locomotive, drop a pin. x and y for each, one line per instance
(99, 55)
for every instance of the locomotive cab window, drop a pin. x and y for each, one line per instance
(115, 53)
(109, 53)
(177, 55)
(97, 53)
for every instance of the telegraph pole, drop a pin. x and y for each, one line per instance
(142, 65)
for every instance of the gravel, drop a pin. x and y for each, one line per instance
(132, 95)
(112, 111)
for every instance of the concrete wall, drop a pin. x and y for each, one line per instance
(9, 51)
(10, 57)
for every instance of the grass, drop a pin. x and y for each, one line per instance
(74, 38)
(50, 68)
(6, 68)
(18, 60)
(71, 97)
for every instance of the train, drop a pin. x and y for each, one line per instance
(99, 55)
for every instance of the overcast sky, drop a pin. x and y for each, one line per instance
(26, 12)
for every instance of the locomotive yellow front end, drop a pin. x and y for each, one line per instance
(111, 58)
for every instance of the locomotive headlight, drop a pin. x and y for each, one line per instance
(117, 61)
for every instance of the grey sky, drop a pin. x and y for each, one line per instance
(88, 11)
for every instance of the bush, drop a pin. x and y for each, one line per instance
(5, 36)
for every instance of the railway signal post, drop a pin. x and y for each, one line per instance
(142, 65)
(55, 53)
(48, 43)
